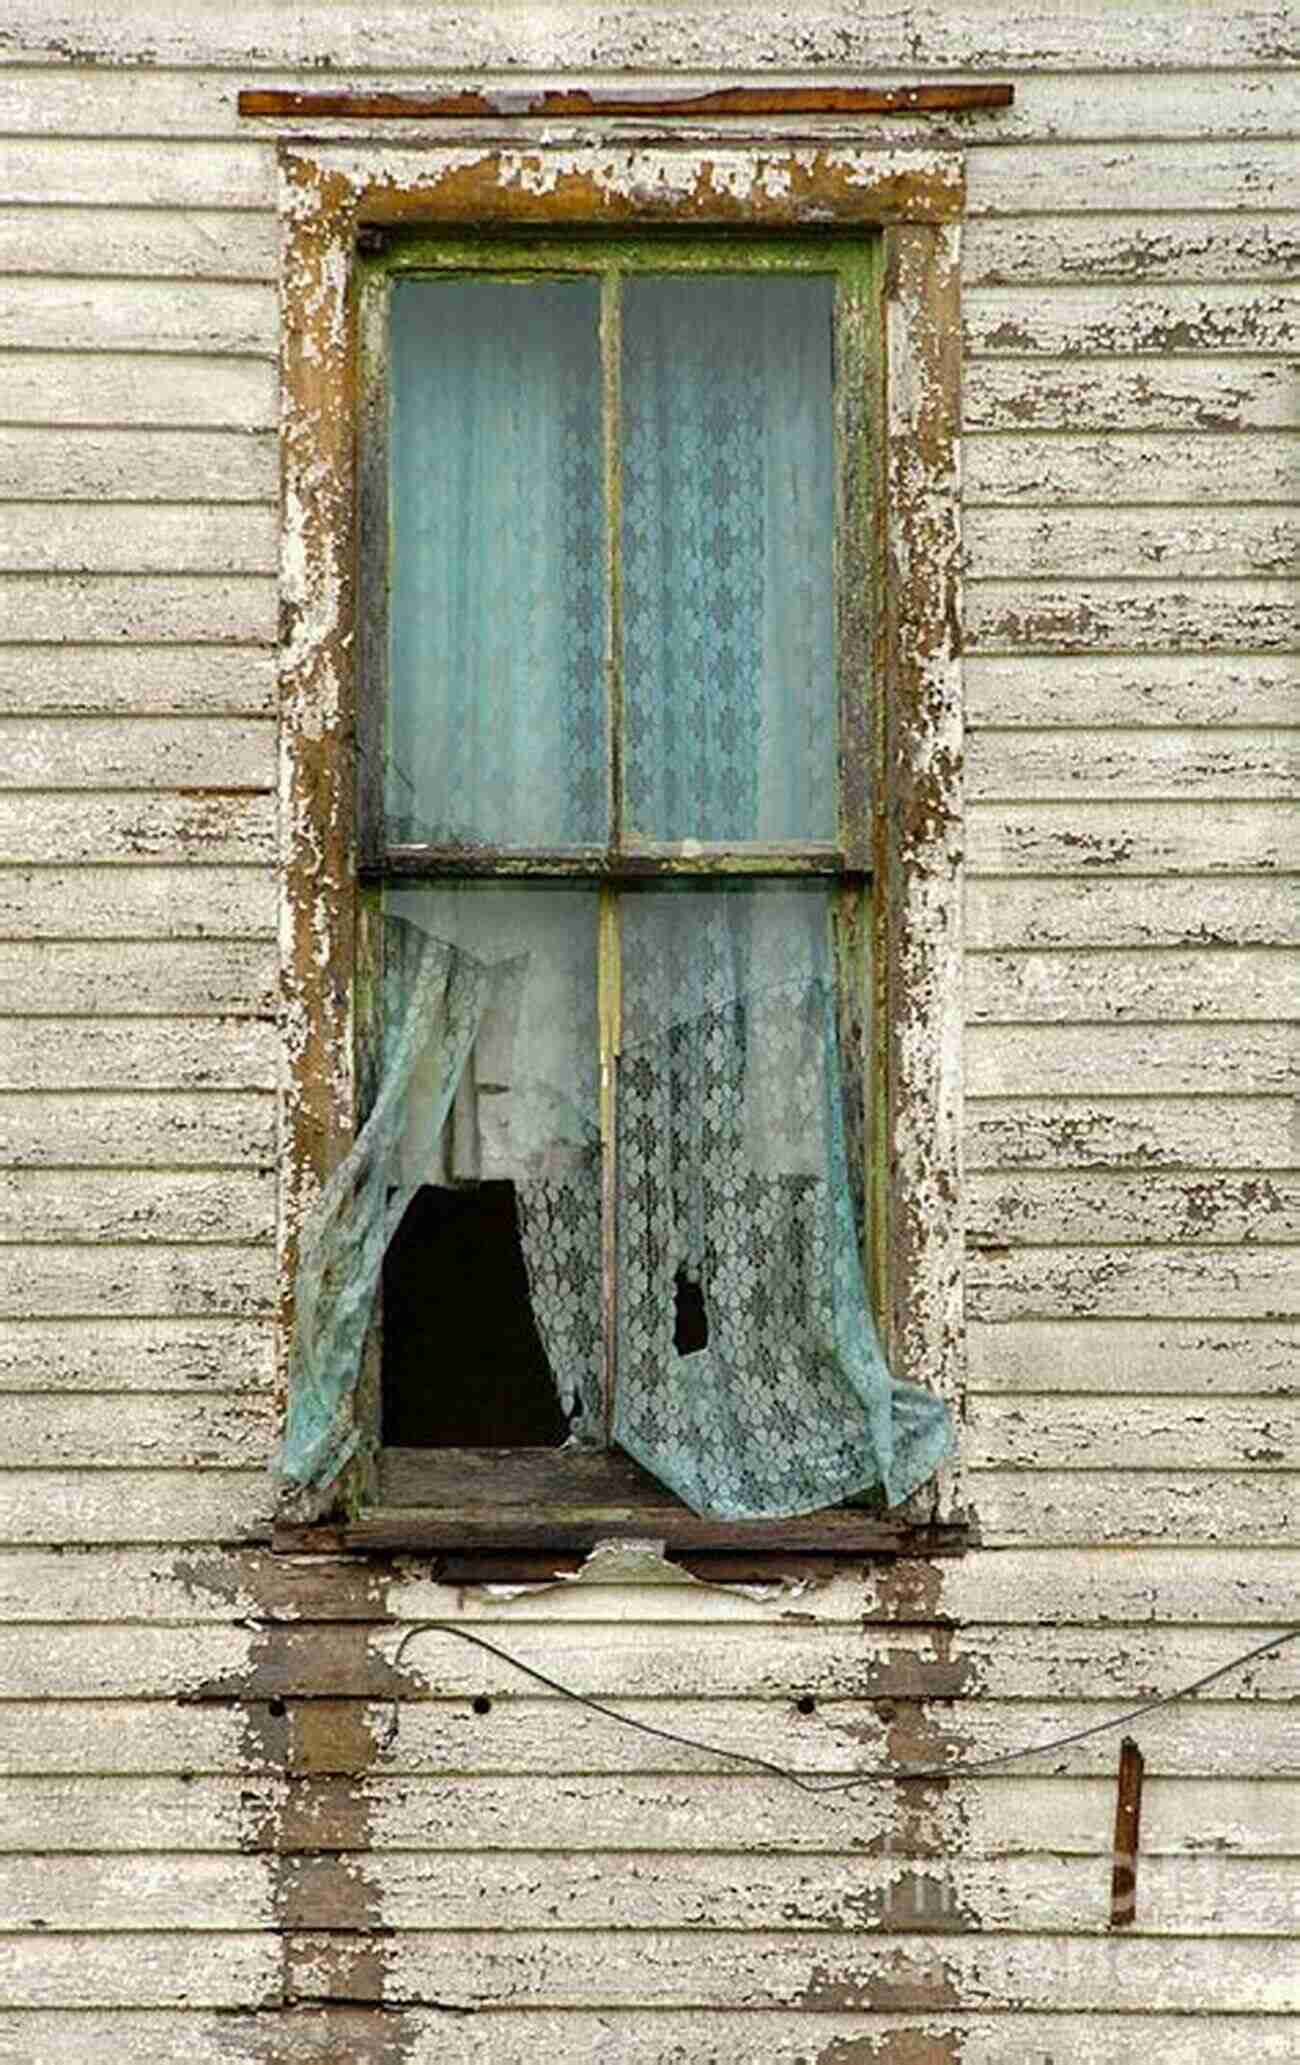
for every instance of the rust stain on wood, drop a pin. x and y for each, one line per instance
(1128, 1828)
(314, 1625)
(942, 98)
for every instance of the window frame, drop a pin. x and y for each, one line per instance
(335, 199)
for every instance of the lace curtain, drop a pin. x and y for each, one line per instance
(733, 1180)
(732, 1175)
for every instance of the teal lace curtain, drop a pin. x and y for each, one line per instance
(733, 1177)
(728, 510)
(496, 724)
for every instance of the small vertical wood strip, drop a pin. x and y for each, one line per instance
(610, 988)
(611, 357)
(856, 494)
(920, 809)
(373, 292)
(1128, 1825)
(318, 365)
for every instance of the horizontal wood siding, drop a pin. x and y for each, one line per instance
(224, 1836)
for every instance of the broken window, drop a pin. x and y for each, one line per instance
(613, 1186)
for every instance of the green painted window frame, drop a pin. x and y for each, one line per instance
(414, 1477)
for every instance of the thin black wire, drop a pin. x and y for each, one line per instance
(891, 1776)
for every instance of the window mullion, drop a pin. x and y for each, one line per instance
(610, 978)
(610, 1012)
(611, 352)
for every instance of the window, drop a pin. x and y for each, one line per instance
(625, 871)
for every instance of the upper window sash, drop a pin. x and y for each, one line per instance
(611, 263)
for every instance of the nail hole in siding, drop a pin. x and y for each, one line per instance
(275, 1707)
(807, 1704)
(482, 1705)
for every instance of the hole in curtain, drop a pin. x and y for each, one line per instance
(690, 1318)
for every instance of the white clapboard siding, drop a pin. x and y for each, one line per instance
(1132, 616)
(222, 1054)
(1225, 1587)
(1148, 911)
(216, 752)
(1250, 1897)
(136, 903)
(1244, 1282)
(226, 317)
(1049, 106)
(1222, 393)
(91, 978)
(127, 389)
(1131, 466)
(105, 1354)
(704, 1811)
(75, 1204)
(1065, 1509)
(1185, 1434)
(1093, 544)
(1127, 1356)
(170, 537)
(103, 101)
(1057, 837)
(228, 609)
(1093, 691)
(167, 1970)
(1210, 1206)
(1124, 1060)
(689, 2037)
(136, 825)
(1131, 248)
(653, 1970)
(153, 1736)
(142, 1505)
(1131, 1132)
(137, 1128)
(1131, 983)
(1142, 765)
(704, 1661)
(159, 174)
(121, 464)
(147, 680)
(149, 243)
(1167, 38)
(1020, 320)
(92, 1280)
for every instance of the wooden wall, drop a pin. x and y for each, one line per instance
(219, 1841)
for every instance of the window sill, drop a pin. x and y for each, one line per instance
(556, 1501)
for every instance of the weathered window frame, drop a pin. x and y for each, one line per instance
(334, 194)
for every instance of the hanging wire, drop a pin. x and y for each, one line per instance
(892, 1775)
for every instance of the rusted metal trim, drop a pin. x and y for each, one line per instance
(941, 98)
(1128, 1828)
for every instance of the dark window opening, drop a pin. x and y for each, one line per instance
(463, 1365)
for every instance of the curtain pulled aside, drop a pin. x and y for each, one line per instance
(733, 1180)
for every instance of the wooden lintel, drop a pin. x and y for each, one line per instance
(933, 99)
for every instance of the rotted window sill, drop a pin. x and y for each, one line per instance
(497, 1512)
